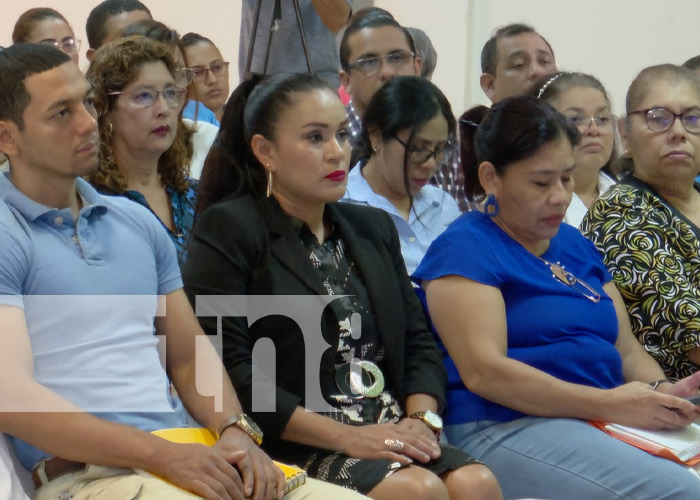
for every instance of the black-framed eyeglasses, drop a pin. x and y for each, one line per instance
(68, 45)
(662, 119)
(420, 156)
(583, 121)
(217, 69)
(145, 97)
(370, 65)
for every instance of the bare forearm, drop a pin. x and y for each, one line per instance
(315, 430)
(62, 429)
(526, 389)
(212, 380)
(333, 13)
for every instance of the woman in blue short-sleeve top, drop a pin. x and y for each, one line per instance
(536, 336)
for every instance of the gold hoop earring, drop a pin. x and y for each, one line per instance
(109, 129)
(269, 182)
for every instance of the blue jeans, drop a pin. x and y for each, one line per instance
(561, 458)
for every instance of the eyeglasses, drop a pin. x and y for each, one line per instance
(583, 121)
(370, 65)
(217, 69)
(420, 156)
(146, 97)
(662, 119)
(69, 45)
(183, 77)
(564, 276)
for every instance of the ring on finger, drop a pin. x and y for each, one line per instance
(394, 444)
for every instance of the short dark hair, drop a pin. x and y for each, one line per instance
(17, 63)
(489, 52)
(514, 129)
(189, 39)
(692, 63)
(425, 50)
(96, 21)
(377, 18)
(255, 107)
(155, 30)
(25, 22)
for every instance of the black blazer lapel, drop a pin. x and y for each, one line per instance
(285, 247)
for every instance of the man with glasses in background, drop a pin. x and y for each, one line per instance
(374, 49)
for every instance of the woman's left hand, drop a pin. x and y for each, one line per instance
(419, 428)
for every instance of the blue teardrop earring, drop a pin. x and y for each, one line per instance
(491, 207)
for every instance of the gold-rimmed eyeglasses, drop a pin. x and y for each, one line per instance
(217, 69)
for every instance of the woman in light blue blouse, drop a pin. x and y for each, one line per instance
(406, 134)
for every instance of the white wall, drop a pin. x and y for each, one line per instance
(218, 20)
(611, 39)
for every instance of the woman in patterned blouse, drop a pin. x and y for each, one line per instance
(145, 148)
(647, 227)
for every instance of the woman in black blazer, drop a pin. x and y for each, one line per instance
(270, 229)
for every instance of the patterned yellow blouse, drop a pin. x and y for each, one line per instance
(652, 252)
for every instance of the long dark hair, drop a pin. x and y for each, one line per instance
(403, 103)
(513, 129)
(254, 107)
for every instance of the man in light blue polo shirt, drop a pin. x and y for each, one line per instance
(82, 278)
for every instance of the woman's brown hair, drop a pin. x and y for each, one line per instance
(117, 64)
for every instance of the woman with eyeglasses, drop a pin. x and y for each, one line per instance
(195, 115)
(145, 147)
(48, 26)
(648, 227)
(582, 99)
(271, 229)
(535, 331)
(405, 137)
(210, 81)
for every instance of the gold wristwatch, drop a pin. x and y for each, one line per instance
(431, 419)
(245, 423)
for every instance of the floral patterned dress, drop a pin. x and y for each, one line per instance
(653, 254)
(182, 205)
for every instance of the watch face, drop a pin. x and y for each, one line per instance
(433, 419)
(249, 422)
